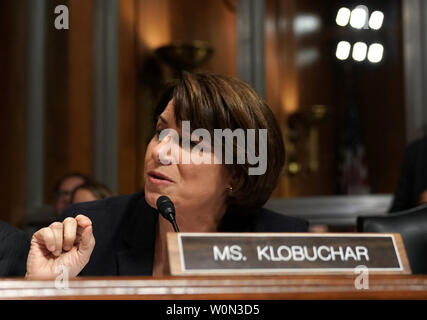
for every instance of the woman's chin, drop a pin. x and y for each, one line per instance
(151, 198)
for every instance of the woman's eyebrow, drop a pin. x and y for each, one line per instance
(163, 120)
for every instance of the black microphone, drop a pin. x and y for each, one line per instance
(167, 210)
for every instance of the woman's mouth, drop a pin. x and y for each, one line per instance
(158, 178)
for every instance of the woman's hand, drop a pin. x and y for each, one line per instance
(68, 244)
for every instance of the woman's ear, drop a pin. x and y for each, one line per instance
(233, 183)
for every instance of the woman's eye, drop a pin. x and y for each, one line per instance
(157, 133)
(192, 143)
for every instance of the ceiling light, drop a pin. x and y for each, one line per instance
(375, 52)
(343, 50)
(343, 17)
(376, 20)
(359, 51)
(358, 18)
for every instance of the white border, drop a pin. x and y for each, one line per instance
(283, 270)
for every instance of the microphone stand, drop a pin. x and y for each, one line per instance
(172, 220)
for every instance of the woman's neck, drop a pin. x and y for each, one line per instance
(195, 223)
(160, 263)
(205, 218)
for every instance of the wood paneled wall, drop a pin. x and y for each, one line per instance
(211, 21)
(69, 105)
(158, 23)
(145, 25)
(80, 100)
(128, 139)
(295, 86)
(13, 86)
(382, 102)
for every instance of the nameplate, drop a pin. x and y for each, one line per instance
(285, 253)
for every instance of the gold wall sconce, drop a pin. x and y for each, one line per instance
(303, 127)
(185, 56)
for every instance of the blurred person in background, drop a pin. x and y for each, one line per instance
(64, 188)
(90, 191)
(412, 187)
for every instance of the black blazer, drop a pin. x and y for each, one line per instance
(124, 228)
(14, 247)
(413, 177)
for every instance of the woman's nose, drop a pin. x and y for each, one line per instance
(156, 152)
(162, 152)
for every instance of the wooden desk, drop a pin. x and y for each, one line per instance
(224, 287)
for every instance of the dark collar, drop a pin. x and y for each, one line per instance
(136, 254)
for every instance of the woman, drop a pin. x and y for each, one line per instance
(90, 191)
(63, 190)
(208, 197)
(412, 187)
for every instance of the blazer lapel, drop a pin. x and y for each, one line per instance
(135, 257)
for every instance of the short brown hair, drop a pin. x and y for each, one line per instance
(99, 190)
(57, 185)
(213, 101)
